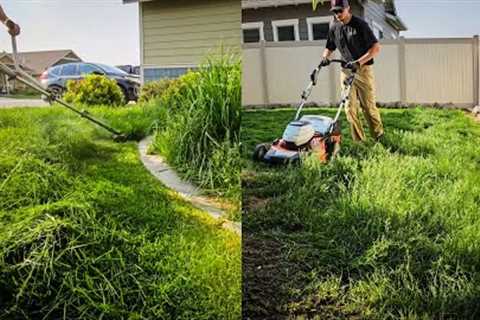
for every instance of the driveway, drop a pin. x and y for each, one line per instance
(12, 103)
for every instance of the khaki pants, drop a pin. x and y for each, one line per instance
(363, 94)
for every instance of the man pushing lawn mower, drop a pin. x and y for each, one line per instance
(356, 42)
(320, 135)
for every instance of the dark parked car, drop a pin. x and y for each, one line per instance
(55, 78)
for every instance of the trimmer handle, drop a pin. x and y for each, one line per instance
(15, 52)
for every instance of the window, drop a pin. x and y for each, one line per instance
(88, 68)
(285, 30)
(318, 28)
(112, 70)
(55, 70)
(152, 74)
(252, 32)
(69, 69)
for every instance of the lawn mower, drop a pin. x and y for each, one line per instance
(310, 133)
(22, 76)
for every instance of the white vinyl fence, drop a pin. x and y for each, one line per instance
(407, 71)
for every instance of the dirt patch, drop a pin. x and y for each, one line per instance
(252, 203)
(263, 276)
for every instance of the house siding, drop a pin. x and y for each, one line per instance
(300, 12)
(179, 33)
(376, 12)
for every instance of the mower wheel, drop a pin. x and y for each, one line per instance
(56, 92)
(260, 151)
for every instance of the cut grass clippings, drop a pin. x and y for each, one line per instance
(87, 233)
(383, 232)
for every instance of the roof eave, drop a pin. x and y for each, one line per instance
(134, 1)
(396, 22)
(248, 4)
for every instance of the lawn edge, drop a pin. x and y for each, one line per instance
(159, 168)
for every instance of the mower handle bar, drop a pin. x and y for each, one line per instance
(306, 93)
(343, 63)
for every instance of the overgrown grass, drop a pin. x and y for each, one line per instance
(87, 233)
(386, 231)
(200, 135)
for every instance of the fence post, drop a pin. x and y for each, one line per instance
(402, 70)
(476, 71)
(264, 75)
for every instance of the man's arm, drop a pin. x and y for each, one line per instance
(327, 53)
(3, 16)
(371, 53)
(13, 28)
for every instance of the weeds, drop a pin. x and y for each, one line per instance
(200, 134)
(87, 233)
(383, 232)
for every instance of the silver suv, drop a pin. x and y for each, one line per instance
(55, 78)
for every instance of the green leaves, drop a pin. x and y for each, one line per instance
(315, 3)
(201, 133)
(94, 90)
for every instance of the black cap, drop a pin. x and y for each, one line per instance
(339, 4)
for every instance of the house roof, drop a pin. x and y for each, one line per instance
(8, 57)
(390, 9)
(392, 16)
(39, 61)
(252, 4)
(133, 1)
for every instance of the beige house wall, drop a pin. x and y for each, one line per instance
(182, 32)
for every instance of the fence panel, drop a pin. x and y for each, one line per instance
(407, 71)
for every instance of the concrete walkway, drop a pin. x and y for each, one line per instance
(15, 103)
(161, 170)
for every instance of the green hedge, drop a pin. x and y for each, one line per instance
(95, 90)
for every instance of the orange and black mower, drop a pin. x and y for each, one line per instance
(316, 134)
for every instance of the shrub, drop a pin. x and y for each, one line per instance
(203, 124)
(94, 90)
(154, 89)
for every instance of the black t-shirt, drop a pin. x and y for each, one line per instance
(353, 39)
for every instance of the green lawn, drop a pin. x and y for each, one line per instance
(87, 233)
(386, 231)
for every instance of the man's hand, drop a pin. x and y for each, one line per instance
(13, 28)
(325, 62)
(352, 65)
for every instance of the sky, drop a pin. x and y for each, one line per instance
(107, 31)
(104, 31)
(439, 18)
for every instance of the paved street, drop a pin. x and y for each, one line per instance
(11, 103)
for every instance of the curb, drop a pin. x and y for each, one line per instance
(159, 168)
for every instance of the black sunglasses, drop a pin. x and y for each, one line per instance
(337, 11)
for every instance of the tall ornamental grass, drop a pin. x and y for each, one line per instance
(200, 135)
